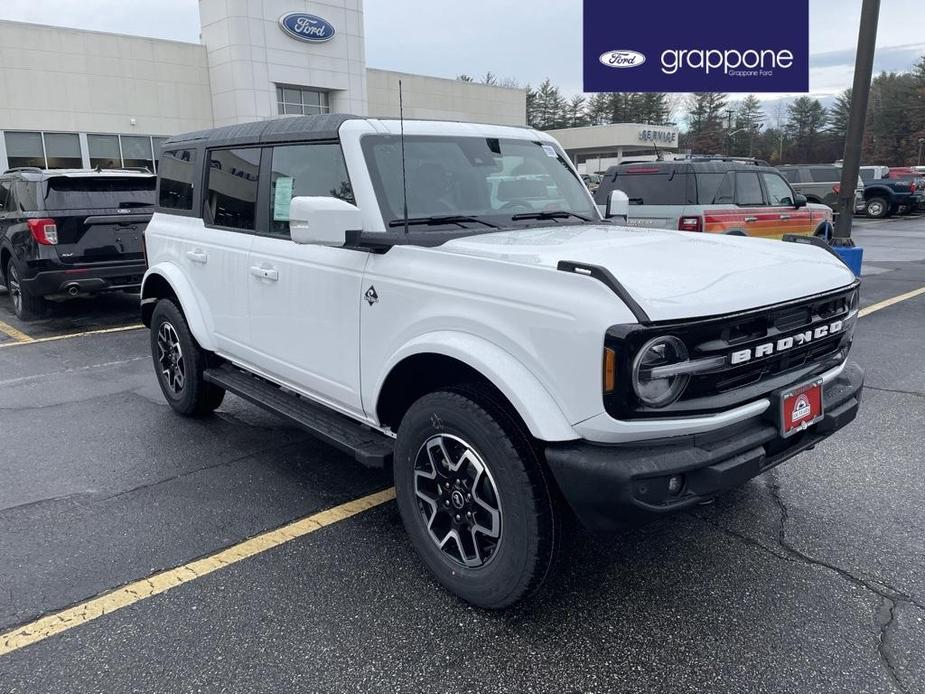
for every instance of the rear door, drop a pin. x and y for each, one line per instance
(100, 219)
(780, 199)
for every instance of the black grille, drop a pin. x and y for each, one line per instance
(735, 383)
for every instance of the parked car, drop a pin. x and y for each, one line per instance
(820, 183)
(592, 181)
(911, 175)
(510, 360)
(71, 232)
(721, 196)
(889, 196)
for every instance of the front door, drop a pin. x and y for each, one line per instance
(304, 300)
(780, 197)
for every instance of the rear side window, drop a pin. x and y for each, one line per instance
(867, 175)
(316, 170)
(176, 171)
(5, 196)
(715, 188)
(104, 192)
(792, 175)
(656, 188)
(824, 174)
(231, 193)
(748, 189)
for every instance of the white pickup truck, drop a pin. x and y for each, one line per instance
(446, 299)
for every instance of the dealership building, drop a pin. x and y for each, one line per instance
(75, 98)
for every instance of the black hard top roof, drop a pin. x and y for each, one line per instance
(691, 166)
(292, 128)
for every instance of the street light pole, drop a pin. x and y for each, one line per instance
(863, 71)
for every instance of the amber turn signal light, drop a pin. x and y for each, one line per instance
(610, 370)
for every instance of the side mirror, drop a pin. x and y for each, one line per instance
(618, 205)
(322, 221)
(799, 200)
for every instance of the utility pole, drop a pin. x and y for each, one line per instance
(921, 142)
(863, 71)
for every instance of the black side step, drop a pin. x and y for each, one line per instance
(368, 446)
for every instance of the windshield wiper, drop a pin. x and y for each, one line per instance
(445, 219)
(549, 214)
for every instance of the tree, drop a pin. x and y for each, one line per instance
(465, 78)
(597, 109)
(706, 130)
(894, 119)
(806, 119)
(652, 108)
(748, 121)
(490, 79)
(839, 114)
(575, 115)
(546, 110)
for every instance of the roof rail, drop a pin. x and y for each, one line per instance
(30, 169)
(738, 160)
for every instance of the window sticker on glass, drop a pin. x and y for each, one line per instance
(550, 151)
(282, 199)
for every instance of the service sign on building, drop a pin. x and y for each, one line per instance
(707, 46)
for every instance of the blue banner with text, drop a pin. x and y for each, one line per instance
(705, 46)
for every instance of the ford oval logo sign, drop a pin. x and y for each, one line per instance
(306, 27)
(622, 59)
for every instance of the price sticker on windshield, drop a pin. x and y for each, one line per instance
(550, 151)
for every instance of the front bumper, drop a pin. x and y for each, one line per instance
(86, 278)
(620, 485)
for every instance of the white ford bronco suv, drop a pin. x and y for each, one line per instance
(445, 299)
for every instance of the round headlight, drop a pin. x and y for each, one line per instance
(654, 385)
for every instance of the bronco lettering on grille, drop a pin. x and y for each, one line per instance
(766, 349)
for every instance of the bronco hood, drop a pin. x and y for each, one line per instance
(671, 274)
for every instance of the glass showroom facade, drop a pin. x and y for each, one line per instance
(54, 150)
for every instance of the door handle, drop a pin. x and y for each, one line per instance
(785, 216)
(751, 219)
(265, 273)
(197, 256)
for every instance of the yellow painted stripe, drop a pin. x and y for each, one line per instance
(889, 302)
(18, 335)
(84, 612)
(70, 336)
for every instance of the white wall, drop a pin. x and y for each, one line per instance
(444, 99)
(249, 55)
(70, 80)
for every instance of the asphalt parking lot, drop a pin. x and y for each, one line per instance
(811, 578)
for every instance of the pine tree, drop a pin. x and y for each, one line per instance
(706, 130)
(839, 114)
(465, 78)
(598, 109)
(575, 115)
(548, 107)
(748, 121)
(806, 119)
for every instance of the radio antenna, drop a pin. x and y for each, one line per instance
(404, 184)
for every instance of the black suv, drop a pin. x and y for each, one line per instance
(71, 232)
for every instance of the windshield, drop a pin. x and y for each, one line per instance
(499, 182)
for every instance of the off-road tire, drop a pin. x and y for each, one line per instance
(196, 397)
(530, 519)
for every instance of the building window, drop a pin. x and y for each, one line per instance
(136, 152)
(232, 188)
(177, 169)
(104, 151)
(25, 149)
(62, 151)
(298, 101)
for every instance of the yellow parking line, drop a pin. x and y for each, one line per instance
(69, 336)
(18, 335)
(889, 302)
(84, 612)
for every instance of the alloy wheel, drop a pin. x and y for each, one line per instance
(170, 357)
(458, 500)
(14, 289)
(875, 209)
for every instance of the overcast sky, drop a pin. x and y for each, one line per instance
(525, 41)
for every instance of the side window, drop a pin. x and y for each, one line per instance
(824, 174)
(725, 194)
(176, 172)
(4, 196)
(231, 192)
(792, 175)
(748, 189)
(779, 192)
(316, 170)
(867, 175)
(715, 188)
